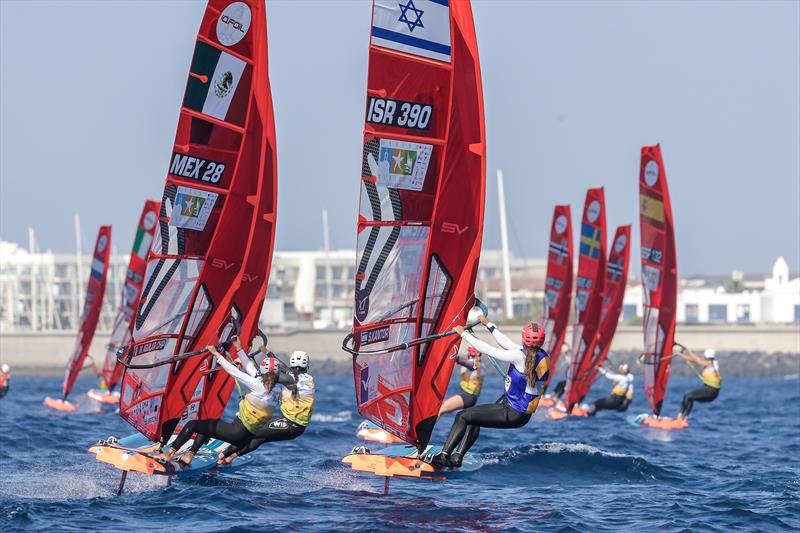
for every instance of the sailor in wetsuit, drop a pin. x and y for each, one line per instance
(5, 379)
(528, 372)
(297, 403)
(472, 374)
(710, 375)
(621, 393)
(255, 409)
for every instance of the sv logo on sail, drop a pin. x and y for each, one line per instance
(187, 166)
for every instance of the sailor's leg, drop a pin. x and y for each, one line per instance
(277, 430)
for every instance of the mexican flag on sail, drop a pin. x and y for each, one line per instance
(218, 85)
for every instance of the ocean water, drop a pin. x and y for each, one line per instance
(736, 468)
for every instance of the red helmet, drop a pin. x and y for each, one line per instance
(473, 351)
(532, 335)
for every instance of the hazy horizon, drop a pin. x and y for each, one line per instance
(89, 97)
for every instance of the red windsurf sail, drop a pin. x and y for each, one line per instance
(131, 291)
(206, 272)
(659, 274)
(95, 291)
(420, 220)
(613, 294)
(588, 291)
(558, 285)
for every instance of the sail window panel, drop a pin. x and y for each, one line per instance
(148, 380)
(384, 382)
(200, 310)
(165, 308)
(653, 333)
(549, 336)
(436, 293)
(120, 336)
(653, 344)
(390, 269)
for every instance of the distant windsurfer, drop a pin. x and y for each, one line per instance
(297, 403)
(710, 375)
(528, 371)
(5, 379)
(621, 393)
(255, 409)
(472, 374)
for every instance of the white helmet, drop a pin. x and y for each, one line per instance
(5, 368)
(624, 368)
(298, 359)
(710, 353)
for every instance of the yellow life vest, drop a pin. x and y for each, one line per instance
(711, 376)
(298, 409)
(472, 382)
(253, 417)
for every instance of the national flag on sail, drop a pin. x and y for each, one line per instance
(419, 27)
(98, 267)
(651, 208)
(590, 240)
(615, 269)
(141, 243)
(218, 85)
(560, 249)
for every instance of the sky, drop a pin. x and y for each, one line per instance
(89, 97)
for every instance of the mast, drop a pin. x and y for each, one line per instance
(501, 198)
(326, 238)
(78, 273)
(34, 280)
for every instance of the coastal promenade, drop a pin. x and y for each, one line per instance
(46, 353)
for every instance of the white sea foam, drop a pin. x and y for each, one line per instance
(549, 447)
(341, 416)
(76, 483)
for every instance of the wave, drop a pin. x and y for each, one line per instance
(579, 461)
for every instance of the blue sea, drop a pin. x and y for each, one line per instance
(736, 468)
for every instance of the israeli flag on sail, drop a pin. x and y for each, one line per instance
(419, 27)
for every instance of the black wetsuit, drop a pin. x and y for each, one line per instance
(560, 386)
(468, 423)
(702, 395)
(613, 402)
(279, 429)
(232, 432)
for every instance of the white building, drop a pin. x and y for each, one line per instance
(776, 300)
(44, 292)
